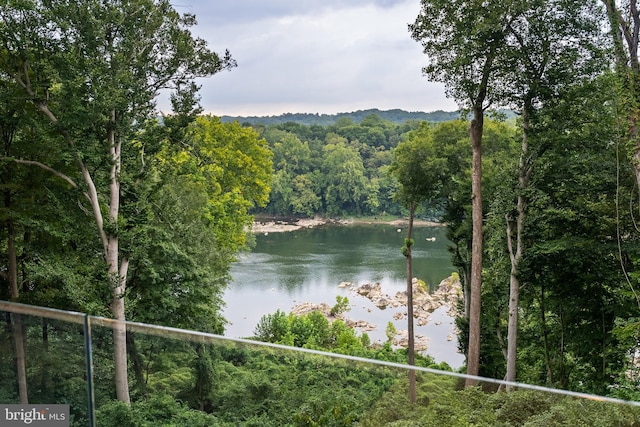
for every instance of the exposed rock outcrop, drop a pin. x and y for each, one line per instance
(447, 294)
(424, 303)
(307, 307)
(402, 340)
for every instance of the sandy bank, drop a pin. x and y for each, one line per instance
(277, 226)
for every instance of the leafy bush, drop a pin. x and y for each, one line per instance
(516, 408)
(272, 327)
(157, 410)
(439, 404)
(342, 305)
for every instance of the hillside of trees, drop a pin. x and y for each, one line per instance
(396, 116)
(109, 211)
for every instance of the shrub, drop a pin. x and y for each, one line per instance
(157, 410)
(272, 327)
(342, 305)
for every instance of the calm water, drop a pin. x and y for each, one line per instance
(286, 269)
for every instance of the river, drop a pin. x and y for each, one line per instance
(308, 265)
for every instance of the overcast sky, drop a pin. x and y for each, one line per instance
(314, 56)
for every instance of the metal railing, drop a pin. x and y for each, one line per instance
(86, 325)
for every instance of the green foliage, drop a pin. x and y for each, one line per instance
(309, 119)
(345, 181)
(405, 251)
(92, 71)
(272, 327)
(341, 306)
(274, 388)
(418, 167)
(157, 410)
(581, 350)
(422, 285)
(229, 384)
(462, 40)
(337, 170)
(233, 167)
(313, 330)
(439, 403)
(190, 184)
(390, 331)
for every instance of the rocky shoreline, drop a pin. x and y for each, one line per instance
(447, 294)
(271, 225)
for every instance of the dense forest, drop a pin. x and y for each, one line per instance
(110, 211)
(396, 116)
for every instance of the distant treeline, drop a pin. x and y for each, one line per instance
(396, 116)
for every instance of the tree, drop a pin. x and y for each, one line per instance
(234, 166)
(345, 178)
(12, 119)
(293, 191)
(464, 41)
(94, 69)
(305, 201)
(418, 168)
(624, 20)
(576, 286)
(553, 46)
(453, 139)
(499, 149)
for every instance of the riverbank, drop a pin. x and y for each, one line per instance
(276, 225)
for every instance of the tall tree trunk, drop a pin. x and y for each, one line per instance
(514, 295)
(563, 376)
(109, 237)
(545, 337)
(515, 255)
(467, 294)
(21, 367)
(8, 134)
(465, 276)
(16, 324)
(473, 352)
(120, 333)
(117, 270)
(136, 364)
(412, 346)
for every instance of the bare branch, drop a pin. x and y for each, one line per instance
(42, 166)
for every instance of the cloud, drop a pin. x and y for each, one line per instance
(314, 56)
